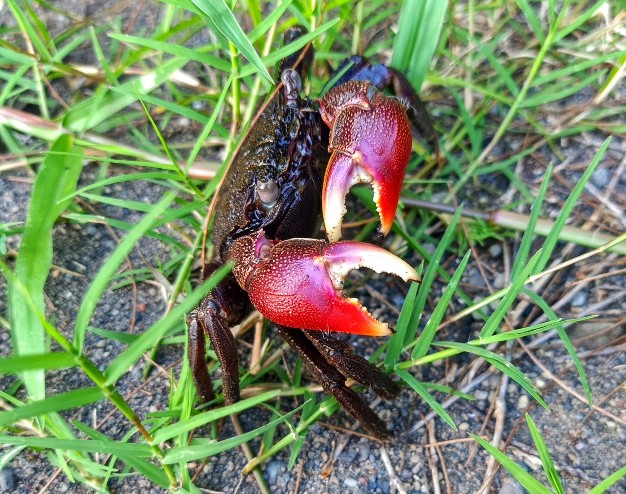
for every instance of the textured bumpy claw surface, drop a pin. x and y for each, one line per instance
(297, 283)
(370, 142)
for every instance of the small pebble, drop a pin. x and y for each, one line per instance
(509, 486)
(522, 402)
(495, 250)
(601, 177)
(350, 483)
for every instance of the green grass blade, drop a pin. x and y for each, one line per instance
(62, 401)
(527, 238)
(56, 179)
(609, 482)
(179, 51)
(225, 21)
(104, 447)
(105, 104)
(191, 453)
(546, 460)
(430, 329)
(493, 323)
(431, 271)
(527, 481)
(211, 416)
(108, 270)
(501, 363)
(567, 343)
(45, 361)
(421, 390)
(409, 318)
(419, 28)
(568, 206)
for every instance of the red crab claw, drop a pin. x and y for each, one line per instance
(297, 283)
(370, 141)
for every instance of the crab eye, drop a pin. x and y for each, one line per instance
(267, 192)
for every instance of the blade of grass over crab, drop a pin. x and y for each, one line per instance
(546, 460)
(224, 20)
(191, 453)
(57, 178)
(421, 390)
(527, 481)
(567, 343)
(419, 28)
(430, 329)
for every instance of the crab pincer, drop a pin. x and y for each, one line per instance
(297, 283)
(370, 141)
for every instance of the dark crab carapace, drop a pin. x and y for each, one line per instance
(267, 209)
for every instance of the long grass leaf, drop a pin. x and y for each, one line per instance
(107, 271)
(190, 453)
(56, 179)
(46, 361)
(419, 28)
(62, 401)
(421, 390)
(104, 447)
(430, 329)
(546, 460)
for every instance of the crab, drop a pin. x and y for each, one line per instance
(297, 162)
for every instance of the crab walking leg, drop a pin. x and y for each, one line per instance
(222, 307)
(297, 283)
(351, 365)
(333, 383)
(371, 142)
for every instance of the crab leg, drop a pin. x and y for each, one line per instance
(371, 143)
(297, 282)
